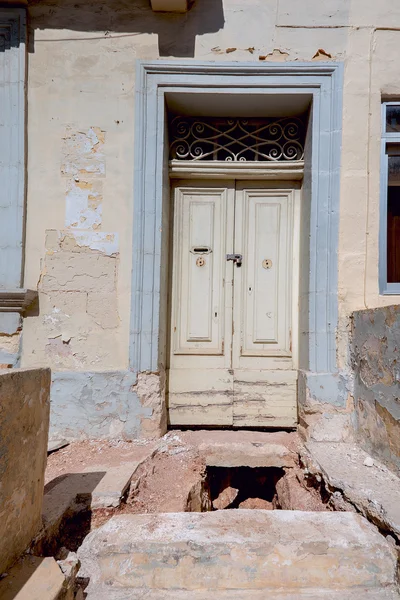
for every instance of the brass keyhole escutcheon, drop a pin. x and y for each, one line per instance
(267, 263)
(201, 261)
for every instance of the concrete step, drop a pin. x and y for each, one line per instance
(109, 593)
(239, 550)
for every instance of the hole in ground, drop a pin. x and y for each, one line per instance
(267, 488)
(243, 487)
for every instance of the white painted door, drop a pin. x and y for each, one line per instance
(232, 351)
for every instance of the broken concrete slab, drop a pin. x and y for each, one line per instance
(247, 454)
(34, 578)
(70, 494)
(373, 491)
(291, 494)
(97, 487)
(235, 550)
(113, 486)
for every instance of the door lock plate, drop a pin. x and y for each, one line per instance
(236, 258)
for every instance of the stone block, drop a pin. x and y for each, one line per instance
(374, 491)
(244, 549)
(112, 487)
(34, 578)
(24, 423)
(106, 593)
(247, 454)
(62, 501)
(375, 355)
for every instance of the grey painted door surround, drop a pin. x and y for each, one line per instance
(12, 172)
(318, 287)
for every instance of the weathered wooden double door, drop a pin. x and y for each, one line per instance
(234, 297)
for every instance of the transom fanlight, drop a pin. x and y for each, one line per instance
(228, 139)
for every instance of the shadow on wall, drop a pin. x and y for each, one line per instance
(176, 32)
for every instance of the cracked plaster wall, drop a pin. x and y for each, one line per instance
(375, 359)
(81, 82)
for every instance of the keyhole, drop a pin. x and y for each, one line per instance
(200, 261)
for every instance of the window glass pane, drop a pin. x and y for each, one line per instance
(393, 221)
(393, 119)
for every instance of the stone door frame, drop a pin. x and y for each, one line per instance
(319, 289)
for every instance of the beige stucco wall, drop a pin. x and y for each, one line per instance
(24, 426)
(81, 86)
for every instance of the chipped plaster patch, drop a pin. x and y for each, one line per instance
(321, 55)
(76, 241)
(106, 243)
(83, 152)
(83, 208)
(10, 343)
(277, 55)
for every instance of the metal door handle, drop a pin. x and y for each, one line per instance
(236, 258)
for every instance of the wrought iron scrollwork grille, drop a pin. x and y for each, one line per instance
(277, 139)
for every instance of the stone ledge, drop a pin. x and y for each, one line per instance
(374, 491)
(16, 300)
(238, 549)
(108, 593)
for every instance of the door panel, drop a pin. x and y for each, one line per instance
(265, 379)
(200, 261)
(200, 397)
(263, 285)
(265, 398)
(231, 359)
(200, 386)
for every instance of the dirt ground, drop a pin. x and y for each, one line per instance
(79, 456)
(171, 473)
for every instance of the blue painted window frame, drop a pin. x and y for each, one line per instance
(385, 288)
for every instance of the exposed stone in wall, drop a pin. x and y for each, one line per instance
(375, 357)
(78, 302)
(150, 388)
(10, 339)
(325, 407)
(9, 349)
(24, 420)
